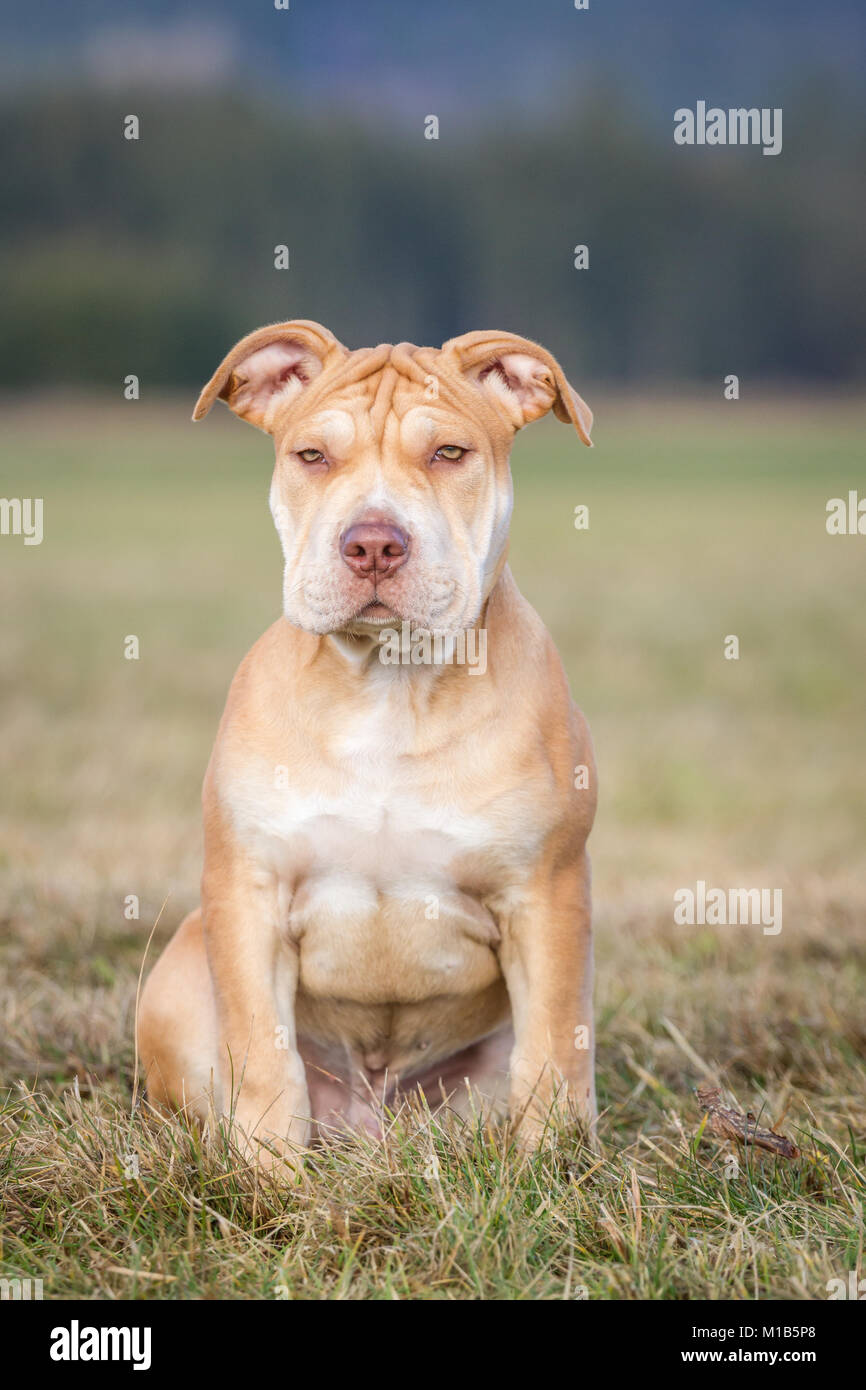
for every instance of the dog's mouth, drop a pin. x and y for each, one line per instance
(376, 611)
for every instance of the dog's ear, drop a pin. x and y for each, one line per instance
(522, 378)
(267, 368)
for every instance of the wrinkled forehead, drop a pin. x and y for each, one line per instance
(403, 392)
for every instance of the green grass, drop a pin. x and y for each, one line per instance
(706, 518)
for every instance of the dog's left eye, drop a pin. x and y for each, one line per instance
(311, 455)
(451, 452)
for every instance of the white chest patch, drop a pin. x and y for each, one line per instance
(378, 817)
(374, 859)
(374, 836)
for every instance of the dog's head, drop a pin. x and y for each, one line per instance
(392, 491)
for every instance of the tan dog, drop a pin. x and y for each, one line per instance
(396, 886)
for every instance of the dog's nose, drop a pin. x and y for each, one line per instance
(374, 548)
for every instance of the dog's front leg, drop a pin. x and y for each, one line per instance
(546, 958)
(255, 979)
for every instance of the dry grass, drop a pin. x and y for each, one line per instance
(704, 521)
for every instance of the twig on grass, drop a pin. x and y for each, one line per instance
(733, 1124)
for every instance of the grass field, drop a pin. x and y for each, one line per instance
(706, 519)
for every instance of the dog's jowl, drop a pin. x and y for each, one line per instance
(396, 889)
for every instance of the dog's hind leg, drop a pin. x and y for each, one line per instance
(177, 1026)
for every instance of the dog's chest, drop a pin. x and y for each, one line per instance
(386, 854)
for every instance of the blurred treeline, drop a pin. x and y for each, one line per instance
(153, 256)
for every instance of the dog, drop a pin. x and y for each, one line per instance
(396, 892)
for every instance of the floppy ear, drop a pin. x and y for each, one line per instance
(522, 378)
(267, 368)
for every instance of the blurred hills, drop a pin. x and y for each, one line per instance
(474, 58)
(305, 128)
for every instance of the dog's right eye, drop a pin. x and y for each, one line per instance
(311, 455)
